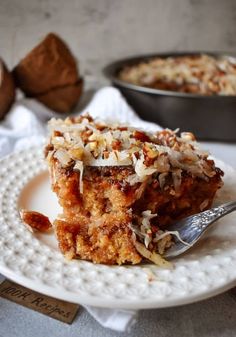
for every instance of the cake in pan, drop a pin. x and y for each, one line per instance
(194, 74)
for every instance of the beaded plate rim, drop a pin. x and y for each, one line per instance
(26, 260)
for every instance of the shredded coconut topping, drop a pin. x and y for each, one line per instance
(158, 239)
(81, 141)
(199, 74)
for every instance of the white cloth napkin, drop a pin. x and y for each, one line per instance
(25, 125)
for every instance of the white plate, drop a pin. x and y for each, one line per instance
(34, 260)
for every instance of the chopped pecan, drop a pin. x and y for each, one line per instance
(36, 220)
(143, 137)
(77, 153)
(150, 155)
(101, 127)
(150, 152)
(122, 128)
(57, 133)
(116, 145)
(47, 149)
(105, 154)
(85, 135)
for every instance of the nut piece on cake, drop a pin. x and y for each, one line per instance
(35, 220)
(7, 90)
(120, 188)
(49, 72)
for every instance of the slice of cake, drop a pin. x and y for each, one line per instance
(120, 188)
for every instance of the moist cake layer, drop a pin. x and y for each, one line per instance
(118, 186)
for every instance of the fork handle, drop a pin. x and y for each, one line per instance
(229, 207)
(213, 214)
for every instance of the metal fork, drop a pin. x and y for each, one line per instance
(192, 228)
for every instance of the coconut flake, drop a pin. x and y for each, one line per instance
(182, 154)
(176, 175)
(80, 167)
(204, 204)
(134, 179)
(141, 169)
(152, 256)
(146, 226)
(63, 157)
(60, 141)
(175, 233)
(162, 179)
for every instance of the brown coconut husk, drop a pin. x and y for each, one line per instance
(64, 99)
(48, 66)
(7, 90)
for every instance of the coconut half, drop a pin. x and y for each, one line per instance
(7, 90)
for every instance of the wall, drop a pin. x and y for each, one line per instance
(104, 30)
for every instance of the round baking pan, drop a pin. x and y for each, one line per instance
(208, 117)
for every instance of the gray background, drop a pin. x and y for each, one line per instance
(99, 32)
